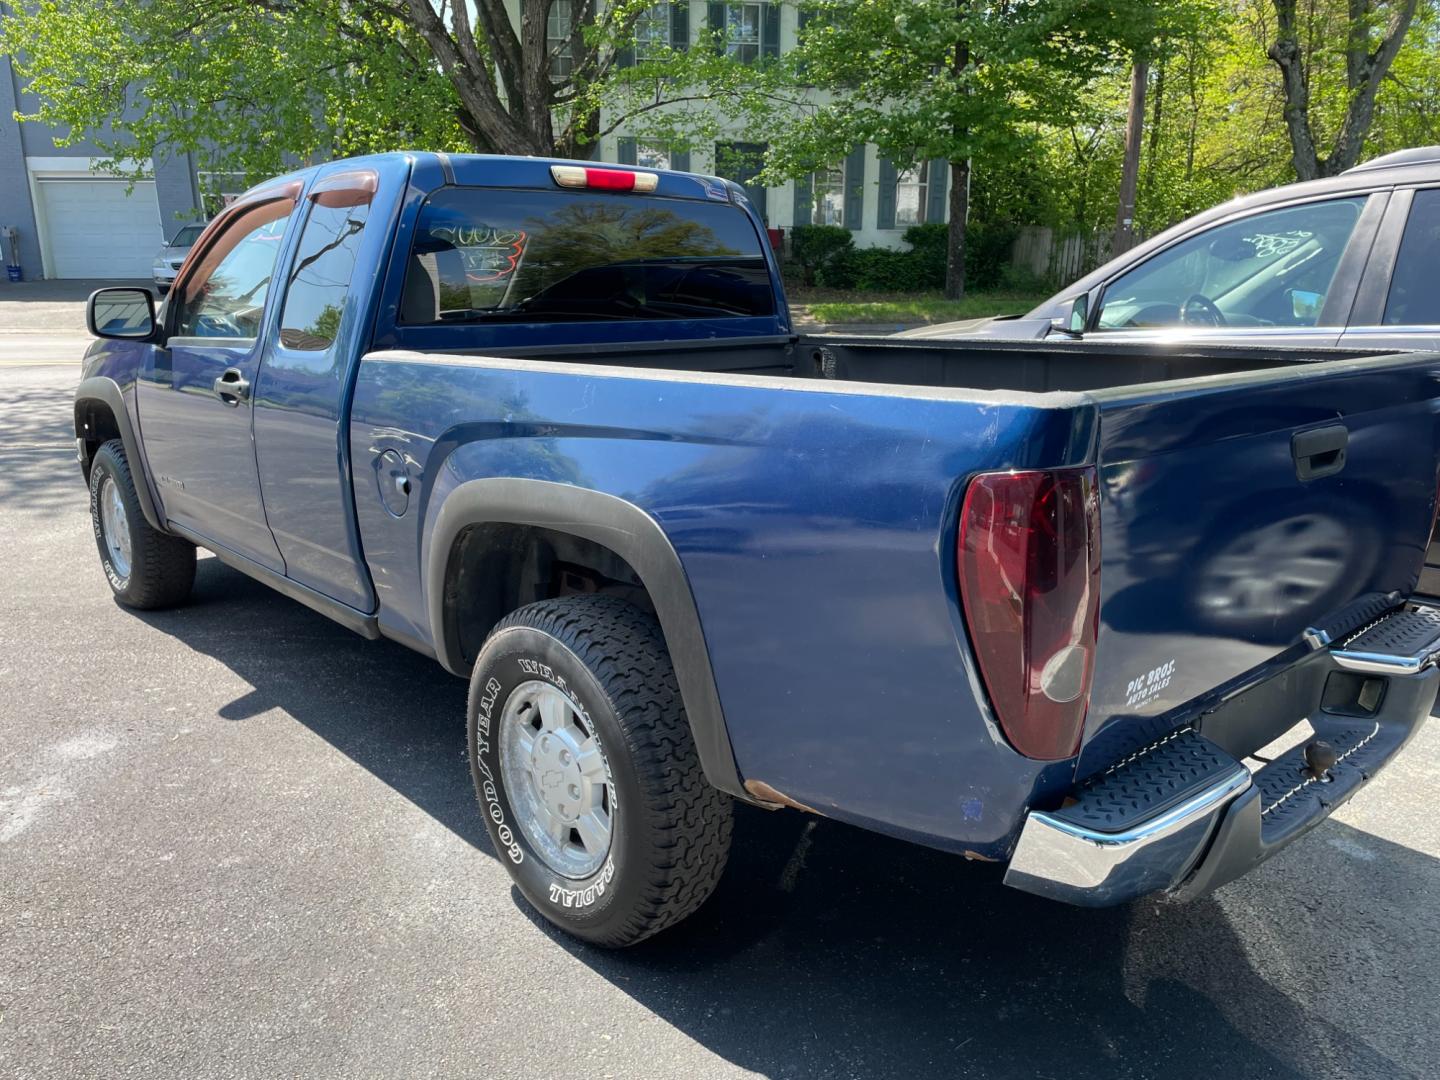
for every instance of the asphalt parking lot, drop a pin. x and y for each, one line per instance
(238, 841)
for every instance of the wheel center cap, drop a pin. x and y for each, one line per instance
(557, 776)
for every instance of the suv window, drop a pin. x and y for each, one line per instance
(324, 264)
(225, 296)
(1270, 269)
(1415, 285)
(485, 255)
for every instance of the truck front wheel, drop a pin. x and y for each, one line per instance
(145, 568)
(587, 774)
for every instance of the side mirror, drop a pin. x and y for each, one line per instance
(125, 313)
(1305, 306)
(1079, 314)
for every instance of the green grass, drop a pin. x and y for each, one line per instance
(833, 306)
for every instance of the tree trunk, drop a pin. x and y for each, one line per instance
(1130, 168)
(1364, 70)
(955, 247)
(1153, 149)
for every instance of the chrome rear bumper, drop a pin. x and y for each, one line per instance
(1185, 816)
(1080, 865)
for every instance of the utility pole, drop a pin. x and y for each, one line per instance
(1130, 170)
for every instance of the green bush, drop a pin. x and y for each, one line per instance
(813, 248)
(921, 268)
(877, 269)
(928, 246)
(987, 253)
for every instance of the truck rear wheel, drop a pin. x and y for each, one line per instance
(587, 774)
(145, 567)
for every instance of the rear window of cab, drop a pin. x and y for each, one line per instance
(501, 255)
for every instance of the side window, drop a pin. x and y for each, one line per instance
(1270, 269)
(324, 264)
(1415, 285)
(225, 296)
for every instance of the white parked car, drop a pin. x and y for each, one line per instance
(172, 255)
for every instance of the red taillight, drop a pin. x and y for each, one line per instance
(1029, 567)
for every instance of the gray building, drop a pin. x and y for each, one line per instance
(73, 219)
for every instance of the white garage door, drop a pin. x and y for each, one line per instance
(94, 229)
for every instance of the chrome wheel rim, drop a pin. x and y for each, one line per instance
(1276, 570)
(557, 778)
(115, 527)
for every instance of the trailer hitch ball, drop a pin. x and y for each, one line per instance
(1320, 758)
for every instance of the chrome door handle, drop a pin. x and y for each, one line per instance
(232, 387)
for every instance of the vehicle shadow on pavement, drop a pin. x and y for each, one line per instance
(830, 951)
(36, 436)
(392, 711)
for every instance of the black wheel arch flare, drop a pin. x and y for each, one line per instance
(629, 532)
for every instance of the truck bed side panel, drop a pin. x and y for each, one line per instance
(815, 525)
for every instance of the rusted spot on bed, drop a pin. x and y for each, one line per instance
(767, 794)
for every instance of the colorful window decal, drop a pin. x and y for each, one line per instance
(490, 254)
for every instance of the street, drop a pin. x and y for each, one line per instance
(238, 841)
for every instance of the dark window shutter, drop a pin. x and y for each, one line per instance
(625, 57)
(770, 31)
(855, 187)
(625, 150)
(802, 20)
(939, 180)
(680, 25)
(680, 160)
(804, 201)
(715, 21)
(885, 206)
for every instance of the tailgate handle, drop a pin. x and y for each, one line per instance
(1319, 451)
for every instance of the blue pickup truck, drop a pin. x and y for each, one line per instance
(1126, 617)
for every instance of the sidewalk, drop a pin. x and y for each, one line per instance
(49, 307)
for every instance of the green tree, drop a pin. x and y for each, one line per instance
(1360, 38)
(246, 88)
(953, 79)
(251, 85)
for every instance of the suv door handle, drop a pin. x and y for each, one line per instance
(1319, 451)
(232, 387)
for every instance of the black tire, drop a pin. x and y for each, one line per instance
(162, 567)
(670, 832)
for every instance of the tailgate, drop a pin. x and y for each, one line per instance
(1238, 511)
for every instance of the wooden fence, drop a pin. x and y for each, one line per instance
(1059, 257)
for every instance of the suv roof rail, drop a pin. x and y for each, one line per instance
(1419, 155)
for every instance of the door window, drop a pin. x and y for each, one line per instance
(1415, 285)
(225, 296)
(324, 264)
(1269, 269)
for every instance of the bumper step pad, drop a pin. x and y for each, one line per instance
(1149, 782)
(1292, 798)
(1402, 643)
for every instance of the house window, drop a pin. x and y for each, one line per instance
(742, 31)
(910, 190)
(827, 189)
(652, 33)
(653, 157)
(558, 27)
